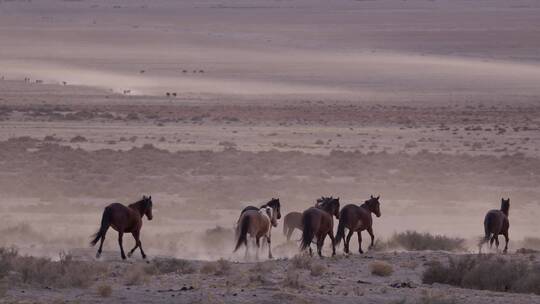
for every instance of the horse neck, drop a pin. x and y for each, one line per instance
(366, 206)
(139, 206)
(505, 209)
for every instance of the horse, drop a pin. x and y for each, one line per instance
(318, 222)
(273, 203)
(291, 221)
(495, 223)
(358, 218)
(124, 220)
(257, 223)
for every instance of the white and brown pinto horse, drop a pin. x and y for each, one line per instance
(256, 224)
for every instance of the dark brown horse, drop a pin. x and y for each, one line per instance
(318, 222)
(358, 218)
(124, 220)
(495, 223)
(291, 221)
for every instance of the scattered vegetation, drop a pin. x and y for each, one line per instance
(292, 279)
(43, 272)
(485, 272)
(381, 268)
(412, 240)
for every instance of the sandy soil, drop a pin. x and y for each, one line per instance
(434, 105)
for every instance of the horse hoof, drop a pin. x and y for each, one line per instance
(123, 257)
(129, 255)
(144, 257)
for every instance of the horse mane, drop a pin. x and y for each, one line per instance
(325, 203)
(140, 205)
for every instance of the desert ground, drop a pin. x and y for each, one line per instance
(210, 106)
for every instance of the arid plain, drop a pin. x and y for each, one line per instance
(210, 106)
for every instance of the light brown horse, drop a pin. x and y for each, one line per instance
(358, 218)
(124, 219)
(291, 221)
(318, 222)
(496, 222)
(256, 223)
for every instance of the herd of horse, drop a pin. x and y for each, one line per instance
(316, 223)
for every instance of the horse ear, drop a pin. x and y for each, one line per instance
(144, 196)
(150, 197)
(378, 197)
(371, 196)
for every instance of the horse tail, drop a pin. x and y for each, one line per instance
(242, 236)
(341, 227)
(487, 230)
(308, 233)
(105, 223)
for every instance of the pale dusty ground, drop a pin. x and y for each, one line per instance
(435, 102)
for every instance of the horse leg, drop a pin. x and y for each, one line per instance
(246, 255)
(348, 240)
(258, 243)
(491, 241)
(370, 231)
(320, 243)
(497, 242)
(269, 241)
(120, 236)
(289, 233)
(507, 239)
(98, 254)
(137, 243)
(359, 242)
(310, 251)
(331, 235)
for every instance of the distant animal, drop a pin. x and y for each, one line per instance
(64, 83)
(256, 224)
(124, 220)
(142, 71)
(127, 92)
(317, 222)
(495, 223)
(358, 218)
(168, 94)
(38, 81)
(174, 94)
(291, 221)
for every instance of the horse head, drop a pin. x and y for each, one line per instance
(505, 205)
(271, 215)
(147, 206)
(329, 204)
(374, 205)
(276, 205)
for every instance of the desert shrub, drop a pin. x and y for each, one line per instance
(381, 268)
(412, 240)
(104, 290)
(301, 261)
(317, 269)
(492, 273)
(163, 266)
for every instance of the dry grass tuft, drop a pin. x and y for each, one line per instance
(104, 290)
(381, 268)
(318, 269)
(412, 240)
